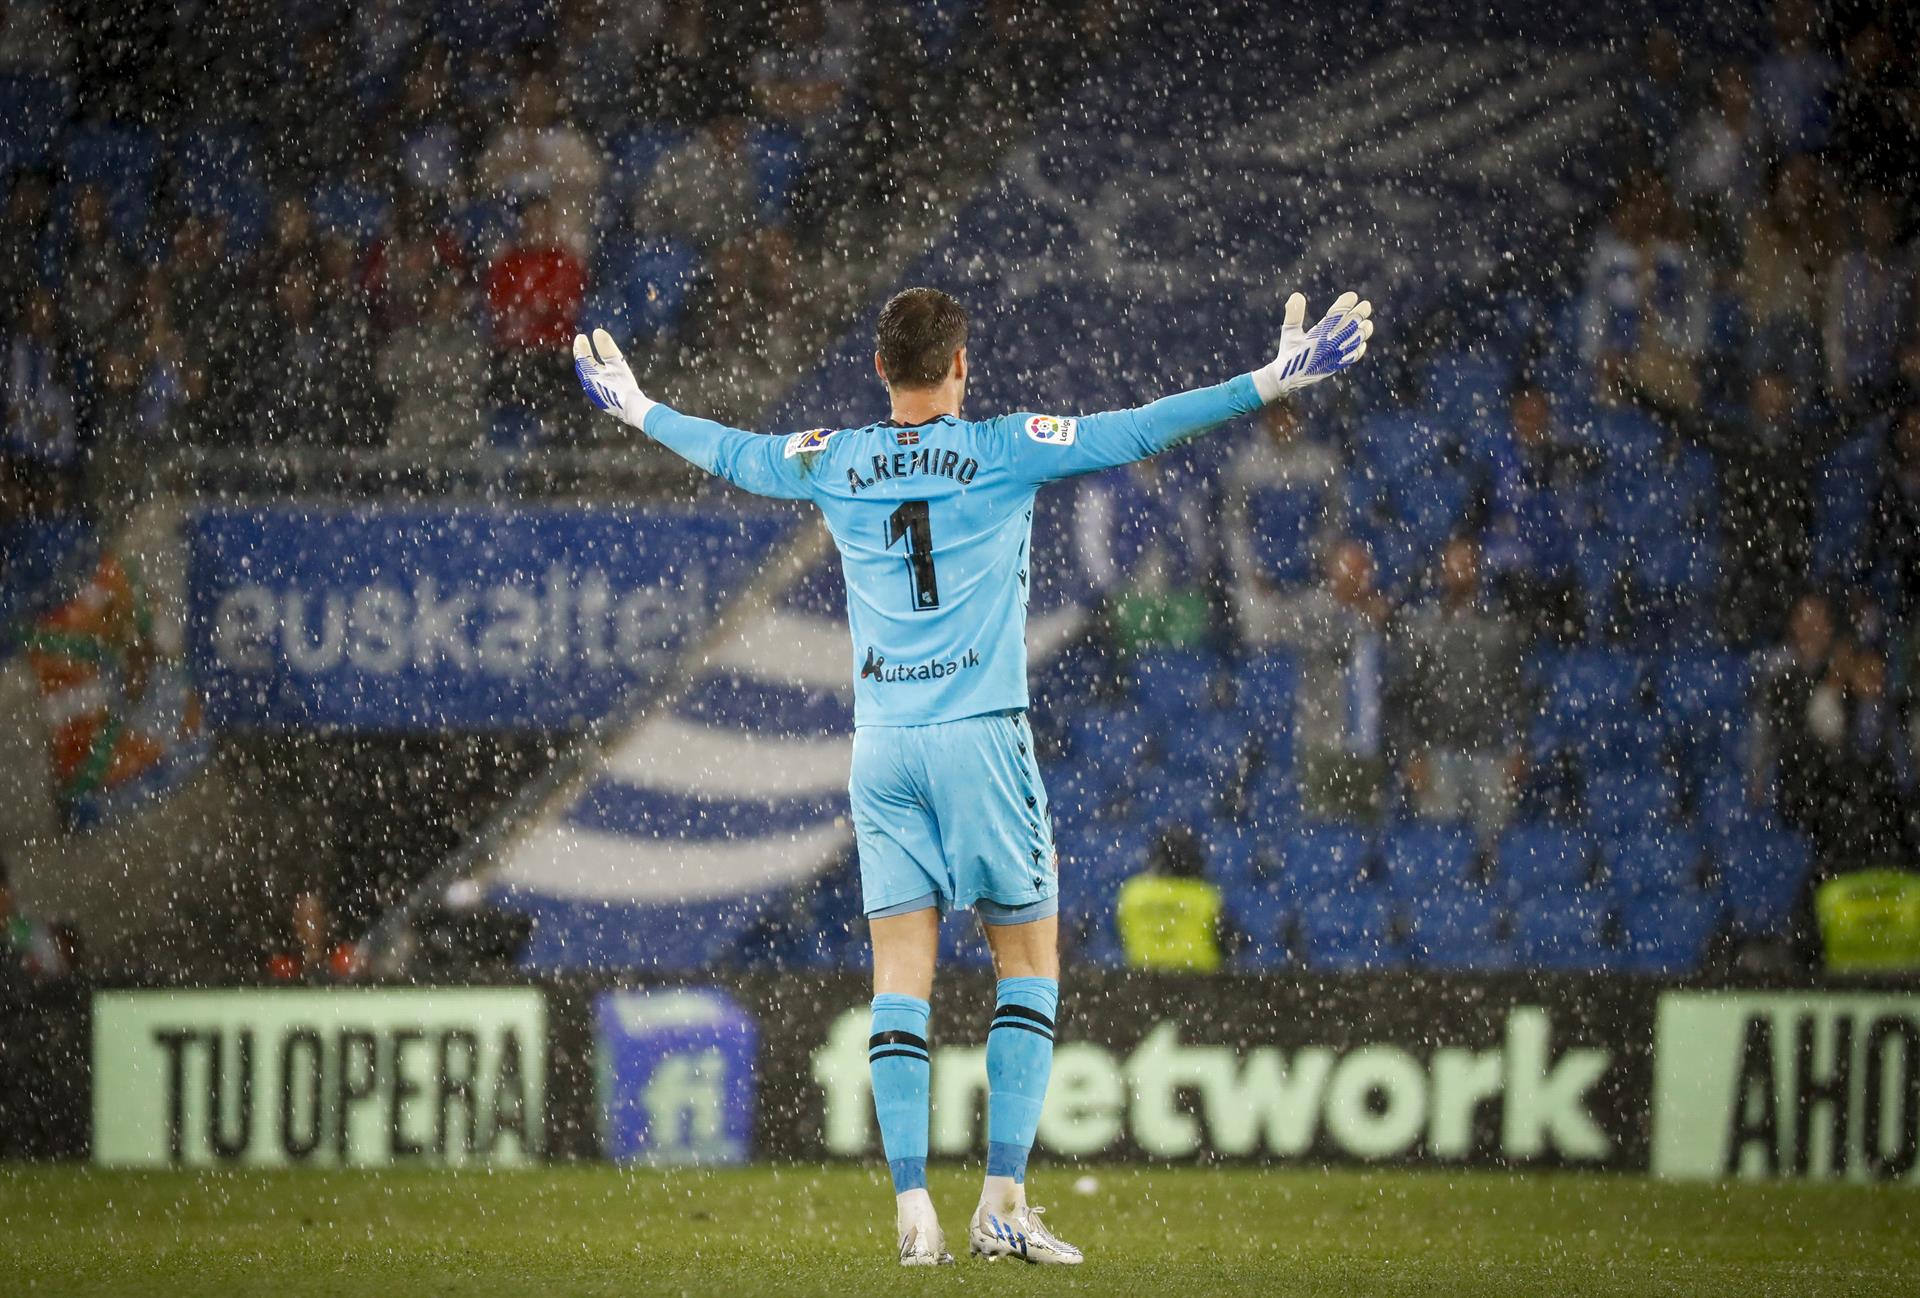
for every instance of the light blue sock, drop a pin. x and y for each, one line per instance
(1019, 1061)
(897, 1055)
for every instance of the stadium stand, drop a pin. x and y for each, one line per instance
(1667, 381)
(1650, 824)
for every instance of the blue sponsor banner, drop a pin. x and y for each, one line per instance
(413, 619)
(675, 1074)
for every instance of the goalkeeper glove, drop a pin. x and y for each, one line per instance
(1305, 356)
(607, 380)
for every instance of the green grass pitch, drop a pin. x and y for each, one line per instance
(1164, 1232)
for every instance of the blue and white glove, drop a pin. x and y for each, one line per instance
(607, 381)
(1305, 356)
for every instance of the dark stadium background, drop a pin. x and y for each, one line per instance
(1566, 654)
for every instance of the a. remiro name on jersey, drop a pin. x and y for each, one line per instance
(934, 524)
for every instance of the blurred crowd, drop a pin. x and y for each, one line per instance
(1689, 492)
(261, 223)
(1646, 556)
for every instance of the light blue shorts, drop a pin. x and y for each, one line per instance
(955, 810)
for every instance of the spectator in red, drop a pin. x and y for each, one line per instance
(534, 291)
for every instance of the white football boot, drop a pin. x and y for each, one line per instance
(922, 1242)
(1018, 1233)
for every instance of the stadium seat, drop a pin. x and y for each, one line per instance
(1561, 934)
(641, 286)
(1723, 801)
(1284, 522)
(1108, 739)
(1695, 692)
(1174, 681)
(1430, 508)
(1459, 929)
(1424, 859)
(1209, 745)
(631, 157)
(122, 162)
(1763, 870)
(31, 111)
(1681, 569)
(349, 208)
(482, 225)
(1468, 387)
(1263, 913)
(1396, 551)
(1234, 851)
(1074, 797)
(1273, 808)
(1350, 932)
(215, 175)
(1596, 684)
(514, 428)
(1265, 685)
(1662, 861)
(1400, 445)
(1624, 802)
(1599, 563)
(42, 561)
(1181, 795)
(779, 158)
(1087, 928)
(1326, 858)
(1665, 934)
(1630, 441)
(1844, 486)
(1635, 742)
(1543, 860)
(1589, 696)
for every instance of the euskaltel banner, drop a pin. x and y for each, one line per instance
(415, 618)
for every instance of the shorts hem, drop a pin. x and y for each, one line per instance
(1013, 914)
(907, 905)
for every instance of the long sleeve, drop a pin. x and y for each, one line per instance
(1049, 447)
(754, 462)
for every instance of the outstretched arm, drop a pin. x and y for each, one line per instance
(1060, 447)
(750, 461)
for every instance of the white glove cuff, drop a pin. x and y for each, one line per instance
(1266, 381)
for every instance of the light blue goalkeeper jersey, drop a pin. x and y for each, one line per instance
(934, 523)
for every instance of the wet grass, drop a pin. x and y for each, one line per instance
(809, 1230)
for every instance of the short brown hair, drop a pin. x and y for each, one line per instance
(920, 330)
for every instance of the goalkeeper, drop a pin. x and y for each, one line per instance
(933, 517)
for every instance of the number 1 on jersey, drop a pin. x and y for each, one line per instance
(910, 521)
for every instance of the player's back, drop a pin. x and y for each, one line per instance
(934, 527)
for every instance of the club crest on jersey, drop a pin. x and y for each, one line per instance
(814, 439)
(1054, 430)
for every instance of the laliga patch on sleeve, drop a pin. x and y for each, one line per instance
(1053, 430)
(814, 439)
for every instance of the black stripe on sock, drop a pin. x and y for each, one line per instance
(1024, 1027)
(1022, 1012)
(895, 1039)
(898, 1054)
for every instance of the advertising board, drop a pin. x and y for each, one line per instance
(333, 1077)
